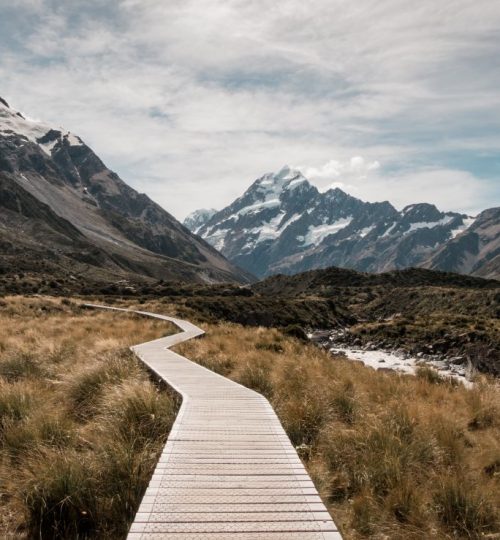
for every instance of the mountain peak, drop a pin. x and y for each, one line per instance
(336, 193)
(421, 212)
(282, 223)
(419, 207)
(285, 178)
(286, 172)
(195, 220)
(92, 222)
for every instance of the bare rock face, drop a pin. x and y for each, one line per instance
(475, 251)
(283, 224)
(59, 197)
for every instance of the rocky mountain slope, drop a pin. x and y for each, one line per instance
(475, 251)
(64, 211)
(283, 224)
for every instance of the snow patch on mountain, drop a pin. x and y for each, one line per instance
(48, 146)
(195, 221)
(467, 222)
(257, 207)
(289, 221)
(316, 234)
(73, 140)
(391, 228)
(270, 229)
(366, 230)
(14, 122)
(428, 225)
(218, 239)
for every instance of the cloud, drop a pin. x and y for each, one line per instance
(191, 100)
(357, 168)
(448, 189)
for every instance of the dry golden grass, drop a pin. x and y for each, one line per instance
(396, 457)
(81, 424)
(81, 427)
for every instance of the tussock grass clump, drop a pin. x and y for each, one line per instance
(44, 427)
(58, 495)
(344, 402)
(256, 375)
(485, 408)
(21, 366)
(430, 375)
(90, 382)
(81, 423)
(138, 412)
(393, 456)
(16, 402)
(464, 509)
(215, 364)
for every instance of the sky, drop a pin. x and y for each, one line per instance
(190, 101)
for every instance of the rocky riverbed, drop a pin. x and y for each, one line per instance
(370, 354)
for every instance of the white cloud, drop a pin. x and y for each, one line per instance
(448, 189)
(190, 100)
(356, 168)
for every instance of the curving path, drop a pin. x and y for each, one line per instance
(228, 470)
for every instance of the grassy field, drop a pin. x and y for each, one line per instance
(396, 457)
(81, 426)
(81, 423)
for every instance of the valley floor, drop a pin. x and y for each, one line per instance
(81, 426)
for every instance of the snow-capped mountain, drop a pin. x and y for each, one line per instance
(61, 206)
(195, 221)
(283, 224)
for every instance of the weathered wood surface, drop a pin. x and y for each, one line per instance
(228, 470)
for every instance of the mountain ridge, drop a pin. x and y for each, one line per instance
(132, 235)
(284, 224)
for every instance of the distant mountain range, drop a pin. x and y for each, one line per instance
(62, 211)
(284, 224)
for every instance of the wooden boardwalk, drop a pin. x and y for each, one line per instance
(228, 470)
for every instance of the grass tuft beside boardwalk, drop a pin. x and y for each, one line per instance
(393, 456)
(81, 423)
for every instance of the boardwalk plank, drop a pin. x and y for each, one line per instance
(228, 470)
